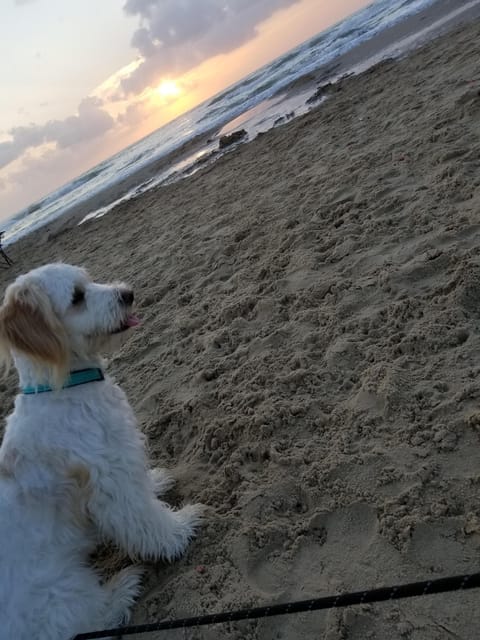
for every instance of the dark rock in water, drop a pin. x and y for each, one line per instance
(319, 93)
(285, 118)
(232, 138)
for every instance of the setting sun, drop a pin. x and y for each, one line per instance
(168, 89)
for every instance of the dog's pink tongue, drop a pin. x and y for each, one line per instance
(133, 321)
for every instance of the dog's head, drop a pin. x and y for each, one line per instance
(55, 314)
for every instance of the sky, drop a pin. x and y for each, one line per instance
(82, 79)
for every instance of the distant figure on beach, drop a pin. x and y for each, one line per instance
(5, 257)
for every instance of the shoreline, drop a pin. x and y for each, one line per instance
(356, 61)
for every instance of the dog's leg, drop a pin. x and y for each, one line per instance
(162, 480)
(153, 530)
(122, 591)
(125, 509)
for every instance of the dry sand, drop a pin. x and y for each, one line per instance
(308, 364)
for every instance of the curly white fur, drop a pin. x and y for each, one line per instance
(73, 468)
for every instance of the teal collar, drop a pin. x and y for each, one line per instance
(75, 378)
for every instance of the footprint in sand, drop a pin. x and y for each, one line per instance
(317, 558)
(334, 552)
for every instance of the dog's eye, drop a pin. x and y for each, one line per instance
(78, 296)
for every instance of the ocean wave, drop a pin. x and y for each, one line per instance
(255, 88)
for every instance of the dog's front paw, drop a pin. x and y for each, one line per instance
(187, 521)
(192, 516)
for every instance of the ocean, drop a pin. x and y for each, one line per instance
(256, 103)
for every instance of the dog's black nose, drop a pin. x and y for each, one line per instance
(126, 296)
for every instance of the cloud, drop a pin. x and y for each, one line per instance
(134, 114)
(90, 122)
(177, 35)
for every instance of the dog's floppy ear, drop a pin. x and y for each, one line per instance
(29, 325)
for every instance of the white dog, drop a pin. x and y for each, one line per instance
(73, 469)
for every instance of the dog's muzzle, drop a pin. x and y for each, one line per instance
(126, 298)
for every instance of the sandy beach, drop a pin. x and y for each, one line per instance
(308, 362)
